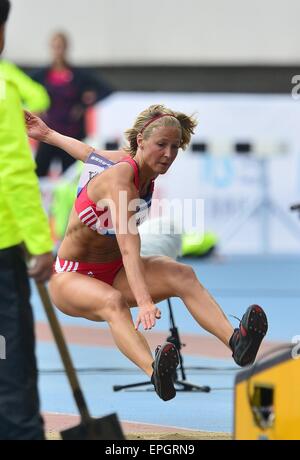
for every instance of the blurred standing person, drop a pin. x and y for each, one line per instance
(23, 222)
(72, 91)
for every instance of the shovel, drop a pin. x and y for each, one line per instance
(105, 428)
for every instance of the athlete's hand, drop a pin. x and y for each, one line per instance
(147, 315)
(36, 128)
(40, 267)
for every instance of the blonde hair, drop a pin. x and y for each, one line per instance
(184, 122)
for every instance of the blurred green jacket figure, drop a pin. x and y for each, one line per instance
(22, 222)
(21, 215)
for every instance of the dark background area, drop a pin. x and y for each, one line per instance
(211, 79)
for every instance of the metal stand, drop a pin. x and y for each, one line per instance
(181, 385)
(263, 206)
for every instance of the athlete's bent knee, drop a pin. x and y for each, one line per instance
(182, 272)
(183, 277)
(115, 305)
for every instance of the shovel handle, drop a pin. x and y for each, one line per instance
(63, 351)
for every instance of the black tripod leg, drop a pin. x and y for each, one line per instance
(186, 386)
(175, 339)
(132, 385)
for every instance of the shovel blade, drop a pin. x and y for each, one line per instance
(106, 428)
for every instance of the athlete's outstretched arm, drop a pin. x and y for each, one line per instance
(37, 129)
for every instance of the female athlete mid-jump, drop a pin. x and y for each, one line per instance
(99, 272)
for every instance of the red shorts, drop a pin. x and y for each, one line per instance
(105, 272)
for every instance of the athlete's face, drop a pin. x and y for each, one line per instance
(161, 148)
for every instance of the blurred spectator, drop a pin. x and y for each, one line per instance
(22, 221)
(72, 92)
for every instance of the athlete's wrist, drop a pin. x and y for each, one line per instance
(146, 304)
(49, 136)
